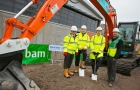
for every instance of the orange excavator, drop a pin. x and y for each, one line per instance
(129, 33)
(11, 73)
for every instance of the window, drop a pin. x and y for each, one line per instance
(127, 32)
(70, 17)
(64, 16)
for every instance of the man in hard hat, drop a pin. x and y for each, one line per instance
(83, 44)
(114, 50)
(97, 45)
(70, 48)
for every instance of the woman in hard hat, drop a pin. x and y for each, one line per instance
(97, 46)
(83, 44)
(114, 50)
(70, 48)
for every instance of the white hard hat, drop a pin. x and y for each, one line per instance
(83, 27)
(98, 28)
(73, 28)
(116, 30)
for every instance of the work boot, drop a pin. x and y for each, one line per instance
(70, 73)
(76, 69)
(66, 73)
(83, 65)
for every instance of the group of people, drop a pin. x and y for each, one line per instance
(78, 43)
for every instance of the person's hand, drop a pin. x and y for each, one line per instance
(97, 53)
(76, 53)
(94, 53)
(65, 53)
(85, 47)
(82, 49)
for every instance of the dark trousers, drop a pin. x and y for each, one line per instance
(111, 67)
(98, 64)
(84, 53)
(68, 60)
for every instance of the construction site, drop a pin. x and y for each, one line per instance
(32, 46)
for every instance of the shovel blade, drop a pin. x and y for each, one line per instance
(81, 72)
(94, 77)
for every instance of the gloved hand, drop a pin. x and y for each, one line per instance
(94, 53)
(97, 53)
(76, 53)
(83, 49)
(65, 53)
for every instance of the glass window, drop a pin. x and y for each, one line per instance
(89, 20)
(84, 18)
(64, 16)
(7, 5)
(65, 10)
(127, 32)
(71, 13)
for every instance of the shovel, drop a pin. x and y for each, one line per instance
(81, 71)
(94, 76)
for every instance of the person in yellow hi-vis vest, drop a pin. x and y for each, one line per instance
(114, 51)
(83, 44)
(97, 45)
(70, 48)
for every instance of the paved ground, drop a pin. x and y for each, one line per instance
(50, 77)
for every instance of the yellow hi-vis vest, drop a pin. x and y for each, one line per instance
(83, 41)
(70, 44)
(112, 47)
(97, 44)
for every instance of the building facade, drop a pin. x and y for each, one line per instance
(75, 12)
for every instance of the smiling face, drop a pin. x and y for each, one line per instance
(115, 34)
(73, 32)
(99, 32)
(83, 30)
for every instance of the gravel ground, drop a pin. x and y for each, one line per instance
(50, 77)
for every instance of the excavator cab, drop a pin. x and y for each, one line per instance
(129, 35)
(129, 59)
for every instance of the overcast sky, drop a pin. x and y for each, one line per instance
(127, 10)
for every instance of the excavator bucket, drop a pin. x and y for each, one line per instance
(12, 76)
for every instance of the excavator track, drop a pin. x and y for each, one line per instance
(12, 76)
(125, 65)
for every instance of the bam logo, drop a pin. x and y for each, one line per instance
(34, 54)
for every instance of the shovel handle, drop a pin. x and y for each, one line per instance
(95, 64)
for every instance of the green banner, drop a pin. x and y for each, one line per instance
(36, 53)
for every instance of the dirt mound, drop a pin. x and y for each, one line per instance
(50, 77)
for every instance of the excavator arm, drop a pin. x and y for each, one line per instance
(35, 23)
(11, 49)
(109, 13)
(46, 12)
